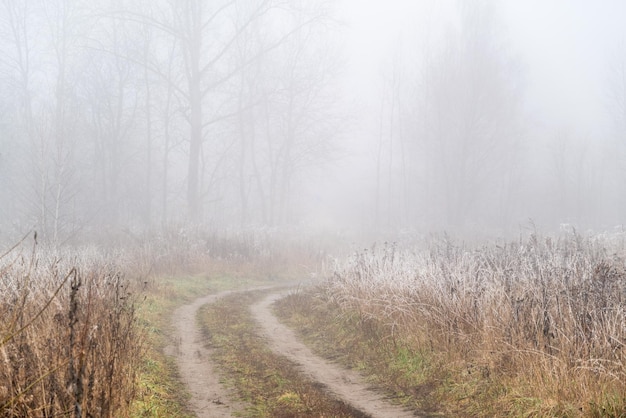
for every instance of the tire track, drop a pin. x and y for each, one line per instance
(209, 398)
(343, 383)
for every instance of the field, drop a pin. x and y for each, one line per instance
(531, 327)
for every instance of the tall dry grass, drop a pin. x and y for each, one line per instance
(69, 342)
(544, 317)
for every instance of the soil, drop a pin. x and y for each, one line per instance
(209, 398)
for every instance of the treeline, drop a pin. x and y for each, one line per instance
(459, 144)
(121, 113)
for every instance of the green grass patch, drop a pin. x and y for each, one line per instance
(271, 384)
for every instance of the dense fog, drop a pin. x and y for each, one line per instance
(346, 115)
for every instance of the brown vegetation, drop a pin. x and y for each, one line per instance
(69, 343)
(535, 327)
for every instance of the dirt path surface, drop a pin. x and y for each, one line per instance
(209, 398)
(345, 384)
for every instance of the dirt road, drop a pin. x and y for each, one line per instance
(210, 399)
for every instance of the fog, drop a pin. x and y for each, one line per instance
(479, 117)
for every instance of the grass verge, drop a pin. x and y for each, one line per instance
(271, 384)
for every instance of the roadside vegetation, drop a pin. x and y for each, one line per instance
(535, 327)
(69, 341)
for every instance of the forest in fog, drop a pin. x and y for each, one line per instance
(138, 115)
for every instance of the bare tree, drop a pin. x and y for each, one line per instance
(617, 98)
(214, 41)
(113, 104)
(616, 106)
(249, 97)
(577, 182)
(469, 114)
(391, 153)
(46, 127)
(17, 78)
(302, 121)
(205, 40)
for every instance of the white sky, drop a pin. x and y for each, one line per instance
(565, 47)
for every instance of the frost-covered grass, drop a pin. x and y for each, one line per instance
(69, 343)
(543, 319)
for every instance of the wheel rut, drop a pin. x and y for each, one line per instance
(345, 384)
(208, 397)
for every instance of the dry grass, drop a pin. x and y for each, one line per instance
(69, 344)
(534, 327)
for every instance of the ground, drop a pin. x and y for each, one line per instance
(210, 398)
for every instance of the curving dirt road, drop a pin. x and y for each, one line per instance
(209, 398)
